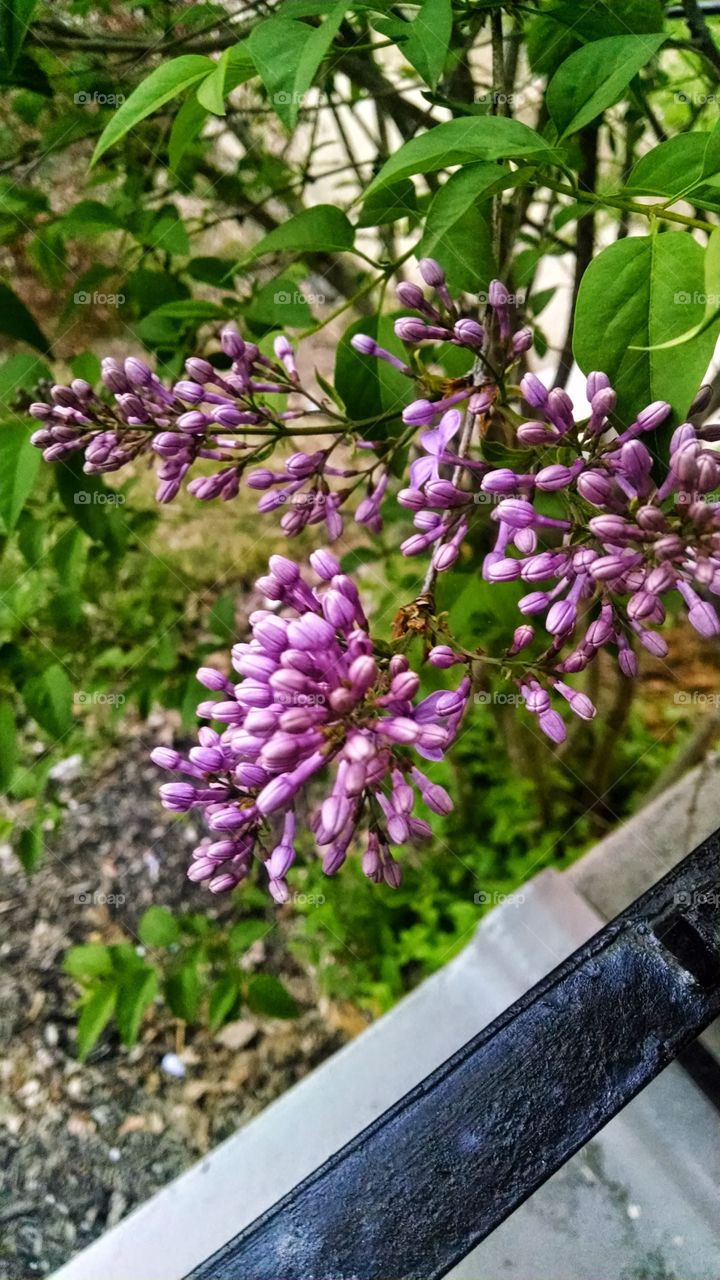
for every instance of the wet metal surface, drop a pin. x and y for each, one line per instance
(422, 1185)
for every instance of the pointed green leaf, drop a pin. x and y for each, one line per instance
(158, 927)
(426, 46)
(164, 83)
(595, 77)
(136, 993)
(17, 322)
(96, 1013)
(462, 142)
(636, 294)
(18, 469)
(234, 67)
(322, 229)
(8, 742)
(223, 996)
(268, 997)
(49, 700)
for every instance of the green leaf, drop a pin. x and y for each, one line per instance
(29, 846)
(164, 83)
(595, 77)
(462, 142)
(18, 469)
(21, 373)
(136, 993)
(96, 1013)
(17, 322)
(8, 743)
(426, 46)
(185, 129)
(223, 997)
(457, 226)
(276, 46)
(268, 997)
(322, 229)
(49, 700)
(370, 388)
(316, 46)
(90, 217)
(234, 67)
(639, 292)
(398, 200)
(90, 960)
(158, 928)
(15, 18)
(93, 505)
(245, 932)
(671, 167)
(560, 27)
(287, 54)
(182, 992)
(190, 309)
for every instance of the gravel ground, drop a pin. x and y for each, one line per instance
(81, 1145)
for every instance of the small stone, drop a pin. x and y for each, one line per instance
(172, 1066)
(237, 1035)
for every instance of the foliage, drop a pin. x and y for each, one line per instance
(165, 168)
(186, 962)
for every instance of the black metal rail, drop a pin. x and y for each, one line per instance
(419, 1188)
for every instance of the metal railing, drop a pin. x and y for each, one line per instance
(414, 1192)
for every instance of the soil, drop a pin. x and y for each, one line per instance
(83, 1144)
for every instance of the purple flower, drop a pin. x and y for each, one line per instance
(313, 702)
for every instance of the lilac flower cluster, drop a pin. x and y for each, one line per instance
(313, 695)
(599, 529)
(594, 523)
(221, 416)
(628, 537)
(233, 417)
